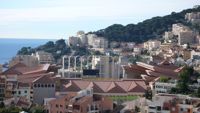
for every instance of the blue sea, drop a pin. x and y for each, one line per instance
(9, 47)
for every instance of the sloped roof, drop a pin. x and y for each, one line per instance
(46, 78)
(121, 86)
(21, 69)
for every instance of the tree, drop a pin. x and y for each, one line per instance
(137, 109)
(183, 83)
(2, 105)
(148, 94)
(198, 93)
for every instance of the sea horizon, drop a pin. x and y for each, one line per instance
(10, 46)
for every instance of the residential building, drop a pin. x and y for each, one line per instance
(23, 90)
(164, 87)
(100, 42)
(28, 60)
(193, 17)
(1, 68)
(187, 54)
(73, 41)
(195, 54)
(168, 36)
(43, 87)
(44, 57)
(82, 102)
(152, 44)
(91, 38)
(184, 34)
(2, 88)
(143, 70)
(186, 37)
(169, 103)
(83, 38)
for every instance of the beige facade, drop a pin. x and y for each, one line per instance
(152, 44)
(193, 17)
(28, 60)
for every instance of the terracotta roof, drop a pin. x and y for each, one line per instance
(121, 86)
(46, 78)
(21, 69)
(29, 78)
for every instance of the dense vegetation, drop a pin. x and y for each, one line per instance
(57, 49)
(143, 31)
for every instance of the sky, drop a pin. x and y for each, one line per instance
(55, 19)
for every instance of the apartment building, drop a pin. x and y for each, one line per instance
(169, 103)
(193, 17)
(184, 34)
(82, 102)
(73, 41)
(44, 57)
(152, 44)
(161, 87)
(43, 87)
(91, 38)
(28, 60)
(2, 88)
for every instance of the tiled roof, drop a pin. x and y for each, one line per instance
(121, 86)
(46, 78)
(163, 69)
(29, 78)
(21, 69)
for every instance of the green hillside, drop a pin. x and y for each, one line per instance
(143, 31)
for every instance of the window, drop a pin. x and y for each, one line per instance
(25, 91)
(35, 85)
(45, 85)
(61, 106)
(57, 105)
(19, 92)
(42, 85)
(181, 109)
(188, 110)
(38, 85)
(52, 85)
(49, 85)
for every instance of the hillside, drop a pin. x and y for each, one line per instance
(143, 31)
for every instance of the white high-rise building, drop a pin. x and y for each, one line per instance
(109, 67)
(91, 38)
(73, 41)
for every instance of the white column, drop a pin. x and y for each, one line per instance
(63, 68)
(75, 62)
(113, 67)
(100, 67)
(82, 64)
(119, 65)
(69, 65)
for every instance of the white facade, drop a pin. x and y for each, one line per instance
(91, 38)
(73, 41)
(193, 17)
(161, 87)
(24, 92)
(100, 42)
(44, 57)
(195, 54)
(149, 45)
(108, 67)
(28, 60)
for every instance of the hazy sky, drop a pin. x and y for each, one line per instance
(63, 18)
